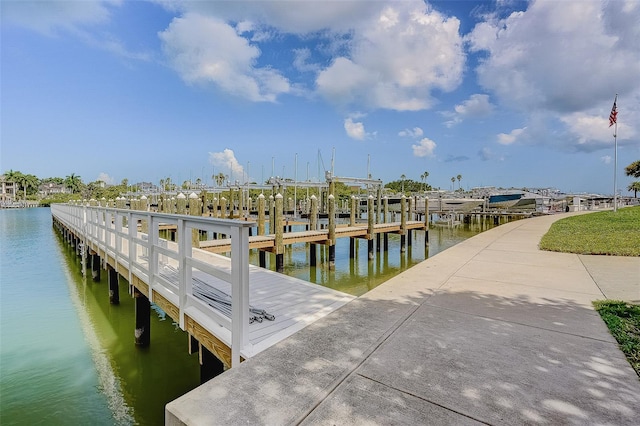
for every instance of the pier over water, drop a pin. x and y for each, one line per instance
(232, 309)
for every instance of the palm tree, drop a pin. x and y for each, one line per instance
(73, 182)
(633, 169)
(423, 178)
(29, 181)
(220, 178)
(453, 180)
(459, 177)
(402, 178)
(12, 176)
(635, 187)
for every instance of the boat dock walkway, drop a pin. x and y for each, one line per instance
(320, 236)
(210, 296)
(490, 331)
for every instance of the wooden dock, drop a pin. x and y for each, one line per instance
(175, 275)
(321, 236)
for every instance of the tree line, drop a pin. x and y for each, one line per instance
(28, 186)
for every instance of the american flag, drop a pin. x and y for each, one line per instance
(614, 113)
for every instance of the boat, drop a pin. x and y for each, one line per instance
(440, 201)
(504, 201)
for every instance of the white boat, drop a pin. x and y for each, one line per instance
(448, 202)
(440, 204)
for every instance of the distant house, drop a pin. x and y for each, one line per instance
(50, 188)
(146, 187)
(8, 189)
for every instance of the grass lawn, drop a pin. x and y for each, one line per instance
(608, 233)
(623, 320)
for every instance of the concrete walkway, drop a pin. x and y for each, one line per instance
(490, 331)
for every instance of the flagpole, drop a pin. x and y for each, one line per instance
(615, 168)
(613, 119)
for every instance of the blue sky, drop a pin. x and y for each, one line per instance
(506, 93)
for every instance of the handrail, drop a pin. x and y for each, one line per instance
(146, 255)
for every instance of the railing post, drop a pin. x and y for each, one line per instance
(184, 276)
(152, 242)
(240, 292)
(132, 230)
(83, 231)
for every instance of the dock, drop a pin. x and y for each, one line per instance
(321, 236)
(229, 308)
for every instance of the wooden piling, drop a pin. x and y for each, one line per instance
(223, 207)
(313, 225)
(95, 266)
(272, 214)
(210, 365)
(144, 206)
(370, 226)
(114, 290)
(403, 223)
(181, 203)
(279, 243)
(194, 210)
(142, 332)
(426, 221)
(215, 212)
(332, 231)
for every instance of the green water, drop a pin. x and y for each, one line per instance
(67, 357)
(358, 275)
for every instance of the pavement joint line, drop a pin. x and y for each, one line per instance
(381, 340)
(423, 399)
(591, 276)
(522, 324)
(529, 285)
(345, 375)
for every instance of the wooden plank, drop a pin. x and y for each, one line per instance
(172, 310)
(140, 285)
(209, 341)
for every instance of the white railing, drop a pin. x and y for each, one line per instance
(149, 257)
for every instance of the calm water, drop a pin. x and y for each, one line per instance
(67, 356)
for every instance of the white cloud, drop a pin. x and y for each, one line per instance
(207, 50)
(564, 61)
(301, 60)
(355, 130)
(78, 18)
(509, 138)
(396, 60)
(594, 129)
(104, 177)
(48, 16)
(226, 160)
(563, 56)
(477, 106)
(424, 148)
(606, 159)
(381, 54)
(416, 132)
(294, 17)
